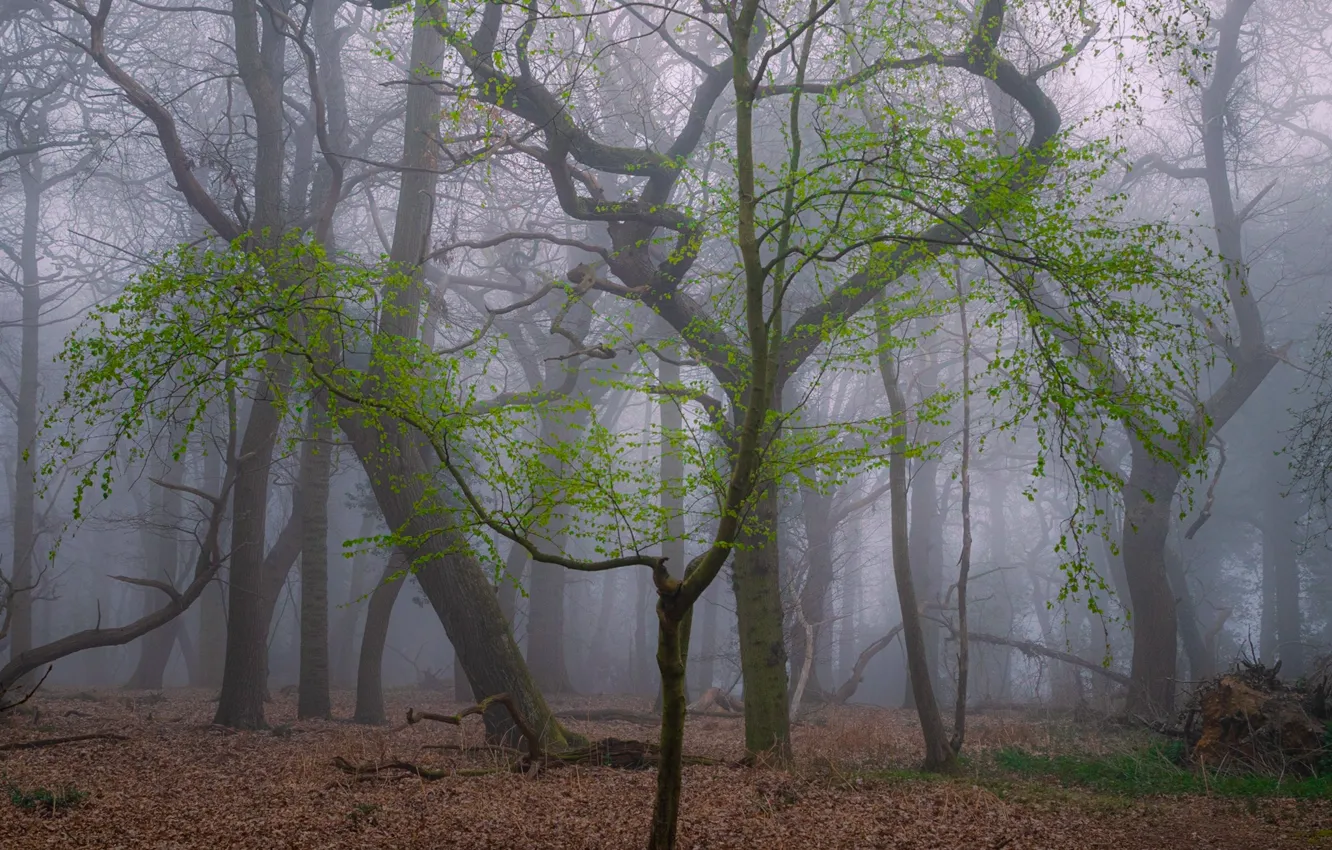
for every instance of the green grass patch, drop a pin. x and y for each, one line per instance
(1152, 771)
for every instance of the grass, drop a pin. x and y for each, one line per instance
(1152, 771)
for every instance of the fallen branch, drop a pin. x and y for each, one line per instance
(1032, 650)
(534, 747)
(52, 742)
(848, 688)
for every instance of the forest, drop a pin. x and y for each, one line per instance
(666, 423)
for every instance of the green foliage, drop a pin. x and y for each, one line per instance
(1154, 770)
(46, 801)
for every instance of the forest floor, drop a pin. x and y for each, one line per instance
(1032, 781)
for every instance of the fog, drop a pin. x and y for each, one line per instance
(349, 347)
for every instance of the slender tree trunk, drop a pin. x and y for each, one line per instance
(316, 470)
(369, 673)
(342, 648)
(847, 613)
(515, 569)
(640, 654)
(23, 578)
(162, 557)
(1201, 664)
(1278, 535)
(706, 674)
(212, 602)
(923, 494)
(1267, 626)
(672, 653)
(261, 65)
(545, 630)
(964, 560)
(819, 533)
(939, 755)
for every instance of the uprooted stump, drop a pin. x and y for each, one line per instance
(1252, 721)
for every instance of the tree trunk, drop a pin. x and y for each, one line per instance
(640, 652)
(923, 494)
(758, 607)
(369, 673)
(939, 755)
(545, 629)
(672, 654)
(162, 559)
(1147, 508)
(23, 578)
(705, 667)
(462, 689)
(261, 64)
(316, 469)
(1267, 626)
(819, 534)
(212, 602)
(342, 648)
(1201, 663)
(507, 590)
(1278, 535)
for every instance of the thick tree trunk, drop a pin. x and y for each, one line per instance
(758, 607)
(369, 673)
(316, 470)
(1147, 508)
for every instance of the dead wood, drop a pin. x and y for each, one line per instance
(848, 688)
(1032, 649)
(524, 727)
(70, 739)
